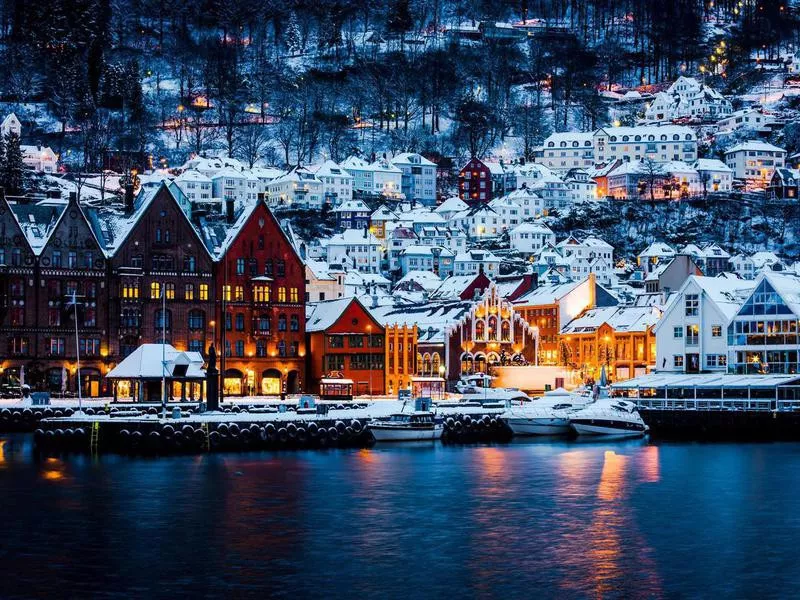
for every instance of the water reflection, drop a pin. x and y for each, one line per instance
(552, 519)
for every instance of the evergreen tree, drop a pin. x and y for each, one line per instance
(12, 167)
(293, 41)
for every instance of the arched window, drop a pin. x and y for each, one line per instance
(261, 348)
(155, 290)
(419, 364)
(188, 291)
(263, 323)
(480, 330)
(281, 322)
(505, 331)
(492, 327)
(676, 137)
(169, 291)
(426, 364)
(436, 362)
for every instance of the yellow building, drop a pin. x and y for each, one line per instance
(620, 338)
(401, 356)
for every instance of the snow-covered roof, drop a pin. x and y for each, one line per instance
(352, 206)
(754, 146)
(532, 227)
(619, 318)
(353, 237)
(38, 220)
(547, 293)
(359, 279)
(452, 287)
(727, 294)
(706, 380)
(658, 249)
(711, 164)
(452, 204)
(431, 318)
(788, 286)
(322, 315)
(320, 270)
(192, 175)
(383, 213)
(153, 361)
(330, 169)
(646, 130)
(476, 255)
(428, 280)
(423, 250)
(411, 158)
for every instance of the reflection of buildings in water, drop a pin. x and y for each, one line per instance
(605, 531)
(53, 470)
(649, 467)
(3, 453)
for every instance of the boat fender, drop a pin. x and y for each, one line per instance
(333, 434)
(69, 433)
(59, 433)
(214, 439)
(340, 426)
(38, 434)
(349, 431)
(356, 425)
(68, 412)
(178, 439)
(89, 411)
(27, 414)
(167, 431)
(283, 435)
(48, 412)
(188, 431)
(313, 429)
(322, 434)
(58, 413)
(199, 435)
(302, 435)
(49, 434)
(233, 429)
(270, 428)
(222, 428)
(5, 414)
(459, 426)
(136, 437)
(291, 428)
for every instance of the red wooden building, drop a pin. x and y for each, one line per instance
(344, 340)
(261, 285)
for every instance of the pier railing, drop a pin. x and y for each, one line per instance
(760, 405)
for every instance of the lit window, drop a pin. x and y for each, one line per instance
(155, 290)
(203, 291)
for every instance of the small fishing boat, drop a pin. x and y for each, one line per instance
(406, 427)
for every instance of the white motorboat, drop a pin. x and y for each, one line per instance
(609, 417)
(548, 415)
(472, 384)
(406, 427)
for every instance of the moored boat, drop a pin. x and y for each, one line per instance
(616, 418)
(406, 427)
(549, 415)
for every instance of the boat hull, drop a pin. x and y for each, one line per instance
(602, 427)
(399, 434)
(539, 426)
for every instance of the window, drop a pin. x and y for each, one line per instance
(376, 341)
(263, 323)
(356, 341)
(203, 291)
(196, 320)
(188, 291)
(335, 362)
(239, 348)
(90, 289)
(228, 321)
(155, 290)
(716, 360)
(16, 257)
(189, 264)
(280, 268)
(54, 317)
(282, 348)
(238, 293)
(163, 320)
(294, 348)
(281, 322)
(195, 346)
(239, 321)
(19, 346)
(72, 259)
(169, 289)
(253, 267)
(57, 346)
(294, 323)
(89, 346)
(261, 348)
(90, 317)
(336, 341)
(716, 331)
(692, 335)
(240, 266)
(260, 293)
(677, 361)
(281, 294)
(226, 293)
(692, 305)
(56, 258)
(17, 316)
(130, 318)
(293, 295)
(677, 332)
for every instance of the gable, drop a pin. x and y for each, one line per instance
(12, 236)
(355, 319)
(73, 234)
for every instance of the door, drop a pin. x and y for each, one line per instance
(692, 363)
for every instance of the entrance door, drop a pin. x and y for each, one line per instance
(692, 363)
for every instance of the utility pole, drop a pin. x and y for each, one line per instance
(77, 352)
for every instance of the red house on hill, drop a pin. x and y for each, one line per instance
(480, 182)
(345, 340)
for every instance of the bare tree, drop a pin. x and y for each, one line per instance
(251, 142)
(653, 174)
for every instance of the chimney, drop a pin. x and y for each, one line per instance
(73, 197)
(262, 196)
(229, 210)
(129, 197)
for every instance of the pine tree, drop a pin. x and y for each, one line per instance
(12, 167)
(293, 41)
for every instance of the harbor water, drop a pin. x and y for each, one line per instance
(545, 519)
